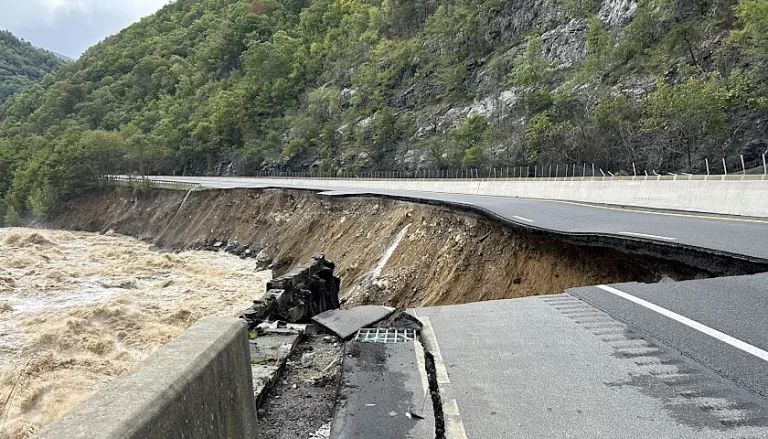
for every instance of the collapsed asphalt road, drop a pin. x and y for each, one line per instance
(729, 235)
(684, 360)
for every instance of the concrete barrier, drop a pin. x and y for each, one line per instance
(198, 386)
(742, 197)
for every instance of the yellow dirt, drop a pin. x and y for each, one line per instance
(80, 309)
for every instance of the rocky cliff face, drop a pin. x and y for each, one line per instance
(563, 44)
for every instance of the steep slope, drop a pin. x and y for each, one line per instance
(386, 252)
(213, 86)
(22, 64)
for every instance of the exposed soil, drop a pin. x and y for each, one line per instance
(301, 405)
(387, 252)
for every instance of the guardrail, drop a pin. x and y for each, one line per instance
(743, 196)
(354, 177)
(131, 179)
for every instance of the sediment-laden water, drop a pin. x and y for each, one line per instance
(79, 309)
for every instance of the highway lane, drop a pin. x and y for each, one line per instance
(557, 367)
(738, 236)
(734, 306)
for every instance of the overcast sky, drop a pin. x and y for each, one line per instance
(71, 26)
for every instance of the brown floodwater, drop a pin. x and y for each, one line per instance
(79, 309)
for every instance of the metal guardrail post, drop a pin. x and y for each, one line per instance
(743, 167)
(765, 167)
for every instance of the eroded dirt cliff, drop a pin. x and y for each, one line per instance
(387, 252)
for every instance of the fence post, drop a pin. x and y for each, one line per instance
(765, 168)
(706, 161)
(593, 170)
(557, 171)
(573, 174)
(584, 171)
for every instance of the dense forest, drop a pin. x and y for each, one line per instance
(22, 64)
(242, 86)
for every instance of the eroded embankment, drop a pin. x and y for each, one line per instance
(388, 252)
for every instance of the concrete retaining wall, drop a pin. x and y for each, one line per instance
(729, 197)
(198, 386)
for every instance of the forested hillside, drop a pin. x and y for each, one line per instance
(211, 86)
(22, 64)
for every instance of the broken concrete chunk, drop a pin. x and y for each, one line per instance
(307, 359)
(299, 295)
(346, 322)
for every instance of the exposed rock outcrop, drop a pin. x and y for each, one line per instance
(617, 13)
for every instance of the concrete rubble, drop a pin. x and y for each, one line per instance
(298, 296)
(346, 322)
(269, 352)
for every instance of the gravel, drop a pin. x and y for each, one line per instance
(301, 405)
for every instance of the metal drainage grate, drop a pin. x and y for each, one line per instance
(385, 335)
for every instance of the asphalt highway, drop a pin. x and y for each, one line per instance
(730, 235)
(682, 360)
(734, 307)
(557, 367)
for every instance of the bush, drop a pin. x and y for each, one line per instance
(12, 217)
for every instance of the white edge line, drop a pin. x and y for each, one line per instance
(643, 235)
(429, 333)
(421, 363)
(524, 219)
(454, 427)
(725, 338)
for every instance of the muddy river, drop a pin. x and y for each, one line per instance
(79, 309)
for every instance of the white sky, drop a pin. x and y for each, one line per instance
(71, 26)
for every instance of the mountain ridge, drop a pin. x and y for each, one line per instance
(212, 86)
(22, 64)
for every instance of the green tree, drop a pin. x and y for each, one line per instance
(692, 115)
(12, 217)
(530, 68)
(470, 139)
(539, 137)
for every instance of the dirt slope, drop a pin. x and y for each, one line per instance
(443, 257)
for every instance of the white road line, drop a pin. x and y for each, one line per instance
(725, 338)
(523, 219)
(454, 427)
(431, 339)
(421, 362)
(643, 235)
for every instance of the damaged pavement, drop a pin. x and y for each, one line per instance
(323, 372)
